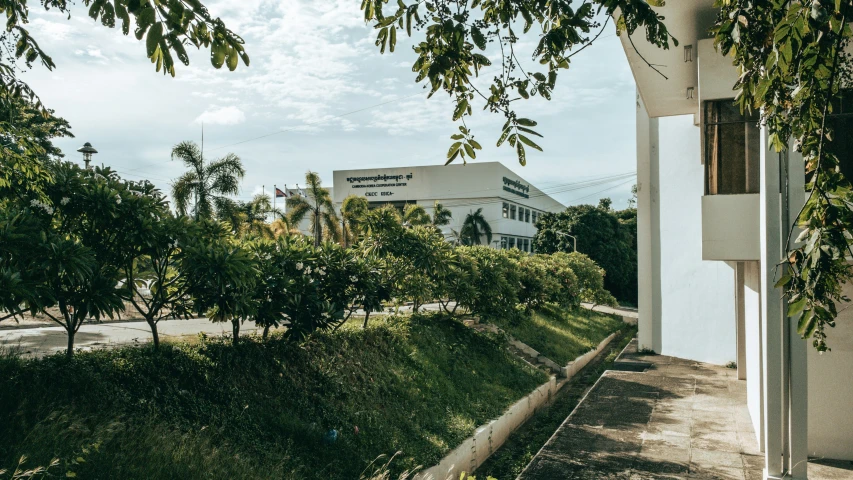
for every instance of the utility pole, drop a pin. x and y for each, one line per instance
(574, 238)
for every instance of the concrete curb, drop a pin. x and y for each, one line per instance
(577, 364)
(474, 450)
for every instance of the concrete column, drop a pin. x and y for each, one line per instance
(770, 218)
(740, 318)
(798, 388)
(648, 231)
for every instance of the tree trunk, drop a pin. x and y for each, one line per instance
(155, 335)
(69, 352)
(366, 317)
(266, 332)
(235, 328)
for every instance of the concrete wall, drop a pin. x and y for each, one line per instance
(831, 389)
(697, 297)
(730, 227)
(717, 75)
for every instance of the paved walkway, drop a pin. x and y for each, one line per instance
(679, 419)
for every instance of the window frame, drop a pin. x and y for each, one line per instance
(512, 210)
(505, 210)
(712, 158)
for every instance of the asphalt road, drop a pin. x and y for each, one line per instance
(45, 340)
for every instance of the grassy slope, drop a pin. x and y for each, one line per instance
(260, 411)
(562, 335)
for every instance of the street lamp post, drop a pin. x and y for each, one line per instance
(87, 150)
(574, 239)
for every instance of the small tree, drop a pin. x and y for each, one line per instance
(315, 202)
(157, 285)
(353, 212)
(474, 227)
(441, 216)
(226, 274)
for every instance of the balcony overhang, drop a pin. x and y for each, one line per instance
(688, 22)
(730, 227)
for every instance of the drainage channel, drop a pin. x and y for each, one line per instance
(511, 458)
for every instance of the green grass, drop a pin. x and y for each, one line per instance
(562, 335)
(522, 446)
(208, 410)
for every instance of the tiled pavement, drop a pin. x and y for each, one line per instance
(679, 419)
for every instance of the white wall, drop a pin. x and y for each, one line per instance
(831, 389)
(697, 297)
(730, 227)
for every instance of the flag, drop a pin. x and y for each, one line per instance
(279, 193)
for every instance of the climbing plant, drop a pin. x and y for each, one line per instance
(794, 62)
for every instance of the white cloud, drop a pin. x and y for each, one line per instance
(93, 53)
(52, 30)
(221, 116)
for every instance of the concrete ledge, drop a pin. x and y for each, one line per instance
(577, 364)
(474, 450)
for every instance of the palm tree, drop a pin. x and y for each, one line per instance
(206, 184)
(441, 216)
(474, 227)
(316, 202)
(249, 217)
(416, 215)
(353, 212)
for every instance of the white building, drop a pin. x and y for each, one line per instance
(511, 205)
(713, 216)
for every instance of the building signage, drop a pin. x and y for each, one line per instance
(389, 181)
(516, 187)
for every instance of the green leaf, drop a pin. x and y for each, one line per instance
(526, 122)
(529, 142)
(393, 39)
(153, 38)
(217, 54)
(797, 306)
(783, 281)
(522, 157)
(807, 324)
(503, 137)
(470, 151)
(454, 149)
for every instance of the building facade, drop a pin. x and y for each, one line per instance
(714, 208)
(510, 204)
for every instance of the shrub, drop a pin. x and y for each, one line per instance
(497, 282)
(589, 275)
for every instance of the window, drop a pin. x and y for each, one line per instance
(535, 216)
(506, 210)
(503, 242)
(511, 242)
(526, 245)
(732, 149)
(512, 212)
(527, 215)
(841, 122)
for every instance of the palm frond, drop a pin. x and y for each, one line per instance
(189, 153)
(183, 190)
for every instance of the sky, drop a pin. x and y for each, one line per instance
(323, 98)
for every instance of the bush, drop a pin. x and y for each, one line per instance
(497, 282)
(590, 277)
